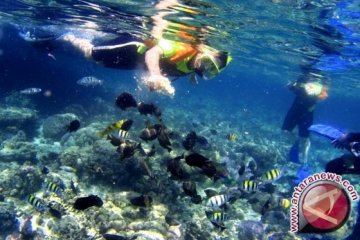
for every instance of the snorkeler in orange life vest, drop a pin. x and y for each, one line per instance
(172, 51)
(309, 90)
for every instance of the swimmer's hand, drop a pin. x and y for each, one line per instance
(160, 84)
(341, 141)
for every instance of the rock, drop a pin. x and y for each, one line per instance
(14, 119)
(251, 230)
(8, 222)
(20, 181)
(54, 127)
(18, 151)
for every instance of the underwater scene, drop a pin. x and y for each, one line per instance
(179, 119)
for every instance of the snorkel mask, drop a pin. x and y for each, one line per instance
(211, 64)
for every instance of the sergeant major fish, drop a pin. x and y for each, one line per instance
(90, 81)
(53, 187)
(249, 185)
(37, 203)
(217, 218)
(217, 200)
(271, 175)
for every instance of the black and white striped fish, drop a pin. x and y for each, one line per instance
(217, 200)
(122, 134)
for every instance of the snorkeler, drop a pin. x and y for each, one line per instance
(347, 163)
(171, 51)
(309, 89)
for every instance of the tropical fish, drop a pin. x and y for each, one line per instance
(196, 160)
(127, 148)
(217, 218)
(203, 142)
(86, 202)
(249, 185)
(114, 140)
(174, 167)
(215, 170)
(271, 175)
(163, 138)
(31, 91)
(231, 137)
(190, 141)
(285, 203)
(73, 126)
(266, 206)
(217, 201)
(124, 124)
(56, 209)
(90, 81)
(37, 203)
(125, 100)
(189, 188)
(150, 133)
(74, 186)
(142, 201)
(45, 170)
(242, 168)
(53, 187)
(151, 109)
(123, 134)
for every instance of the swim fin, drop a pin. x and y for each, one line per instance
(294, 152)
(302, 173)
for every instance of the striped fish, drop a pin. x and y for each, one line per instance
(123, 134)
(218, 200)
(217, 218)
(53, 187)
(123, 124)
(36, 202)
(271, 175)
(249, 185)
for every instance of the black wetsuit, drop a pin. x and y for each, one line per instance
(301, 112)
(125, 57)
(347, 163)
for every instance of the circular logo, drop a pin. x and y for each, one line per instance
(325, 207)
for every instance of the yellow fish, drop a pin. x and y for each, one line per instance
(285, 203)
(249, 185)
(232, 137)
(271, 175)
(123, 124)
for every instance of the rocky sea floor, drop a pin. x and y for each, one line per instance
(85, 164)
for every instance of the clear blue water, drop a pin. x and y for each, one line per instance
(270, 42)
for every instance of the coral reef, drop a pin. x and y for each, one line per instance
(54, 127)
(13, 119)
(8, 220)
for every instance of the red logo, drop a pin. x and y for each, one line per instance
(325, 207)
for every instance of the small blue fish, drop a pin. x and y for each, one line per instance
(90, 81)
(31, 91)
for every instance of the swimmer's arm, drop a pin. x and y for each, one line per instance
(152, 60)
(156, 81)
